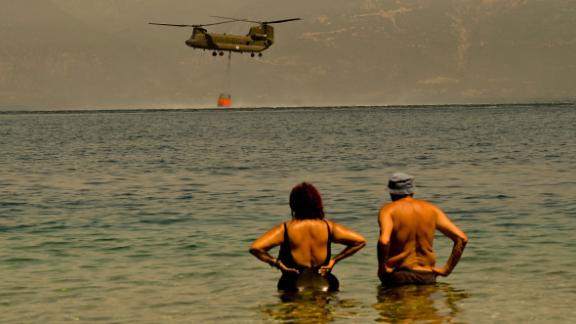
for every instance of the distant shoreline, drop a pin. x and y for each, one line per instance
(152, 110)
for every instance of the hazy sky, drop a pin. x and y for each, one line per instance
(102, 54)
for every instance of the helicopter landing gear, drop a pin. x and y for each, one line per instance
(251, 54)
(221, 53)
(259, 54)
(214, 53)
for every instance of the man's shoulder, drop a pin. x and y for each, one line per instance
(388, 206)
(408, 201)
(426, 204)
(422, 201)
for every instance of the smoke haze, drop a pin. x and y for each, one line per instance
(102, 54)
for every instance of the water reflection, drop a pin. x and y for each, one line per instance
(309, 307)
(429, 303)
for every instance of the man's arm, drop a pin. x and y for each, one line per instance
(341, 234)
(270, 239)
(386, 225)
(444, 225)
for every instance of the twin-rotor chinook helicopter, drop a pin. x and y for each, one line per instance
(258, 39)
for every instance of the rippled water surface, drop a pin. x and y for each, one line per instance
(146, 217)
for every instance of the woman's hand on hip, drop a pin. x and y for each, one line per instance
(285, 269)
(325, 270)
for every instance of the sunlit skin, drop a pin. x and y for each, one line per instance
(407, 227)
(308, 242)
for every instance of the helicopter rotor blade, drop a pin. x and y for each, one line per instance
(202, 25)
(219, 23)
(259, 22)
(238, 19)
(280, 21)
(171, 25)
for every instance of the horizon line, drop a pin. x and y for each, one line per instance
(563, 102)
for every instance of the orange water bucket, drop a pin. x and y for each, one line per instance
(224, 101)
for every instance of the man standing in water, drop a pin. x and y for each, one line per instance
(407, 227)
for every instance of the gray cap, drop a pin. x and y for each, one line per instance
(401, 184)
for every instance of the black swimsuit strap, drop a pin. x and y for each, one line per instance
(285, 253)
(328, 245)
(285, 233)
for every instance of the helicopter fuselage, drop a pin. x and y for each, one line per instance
(259, 38)
(256, 40)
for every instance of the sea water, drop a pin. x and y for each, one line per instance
(147, 216)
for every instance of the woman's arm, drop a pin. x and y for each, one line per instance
(270, 239)
(341, 234)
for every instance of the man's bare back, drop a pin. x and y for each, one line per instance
(407, 227)
(411, 224)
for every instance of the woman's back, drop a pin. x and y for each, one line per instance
(305, 259)
(308, 242)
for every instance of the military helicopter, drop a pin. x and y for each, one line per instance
(258, 39)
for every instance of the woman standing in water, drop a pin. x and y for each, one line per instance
(305, 252)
